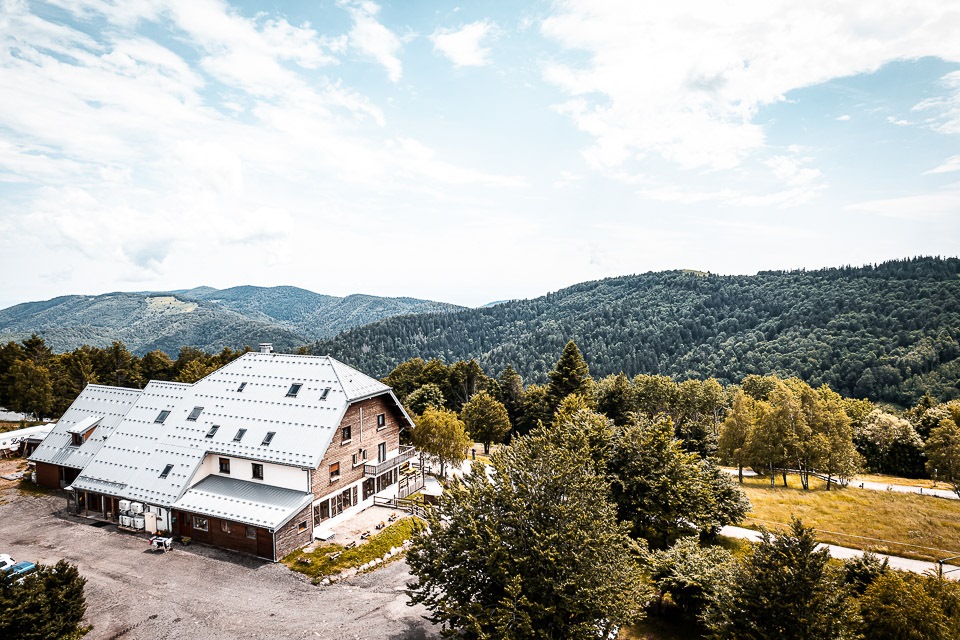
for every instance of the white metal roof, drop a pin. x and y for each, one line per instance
(108, 404)
(133, 457)
(243, 501)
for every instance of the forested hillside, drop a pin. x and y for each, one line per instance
(144, 322)
(205, 318)
(312, 314)
(890, 332)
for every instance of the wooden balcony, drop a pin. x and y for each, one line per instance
(373, 470)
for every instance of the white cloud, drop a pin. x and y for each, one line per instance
(946, 108)
(844, 118)
(684, 80)
(463, 46)
(137, 154)
(950, 164)
(373, 39)
(942, 204)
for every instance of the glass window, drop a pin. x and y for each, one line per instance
(195, 414)
(212, 431)
(163, 416)
(267, 439)
(252, 533)
(335, 471)
(239, 436)
(257, 471)
(381, 420)
(294, 390)
(200, 524)
(166, 471)
(225, 526)
(323, 396)
(302, 527)
(224, 465)
(345, 435)
(242, 385)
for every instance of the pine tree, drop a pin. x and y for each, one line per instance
(785, 590)
(570, 375)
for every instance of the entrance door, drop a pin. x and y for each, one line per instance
(369, 487)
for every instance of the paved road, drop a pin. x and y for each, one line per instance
(844, 553)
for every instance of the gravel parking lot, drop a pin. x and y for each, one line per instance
(200, 592)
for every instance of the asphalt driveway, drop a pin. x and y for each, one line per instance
(200, 592)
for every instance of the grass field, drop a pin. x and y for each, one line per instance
(902, 524)
(907, 482)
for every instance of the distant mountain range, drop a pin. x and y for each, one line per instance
(890, 332)
(203, 317)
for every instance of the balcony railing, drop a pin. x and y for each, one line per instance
(373, 470)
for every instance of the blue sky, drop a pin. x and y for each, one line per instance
(468, 153)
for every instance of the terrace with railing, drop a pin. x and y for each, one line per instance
(374, 470)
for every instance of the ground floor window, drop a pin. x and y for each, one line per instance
(224, 526)
(369, 487)
(200, 524)
(252, 533)
(302, 527)
(321, 511)
(386, 479)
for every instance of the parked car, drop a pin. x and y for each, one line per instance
(20, 570)
(6, 561)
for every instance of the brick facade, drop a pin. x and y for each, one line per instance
(362, 436)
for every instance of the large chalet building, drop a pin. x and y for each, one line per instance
(260, 456)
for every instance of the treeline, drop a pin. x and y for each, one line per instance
(889, 332)
(38, 382)
(763, 422)
(601, 514)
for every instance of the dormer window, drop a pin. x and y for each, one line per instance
(323, 396)
(194, 414)
(241, 387)
(163, 416)
(239, 436)
(294, 390)
(77, 439)
(166, 471)
(213, 431)
(267, 439)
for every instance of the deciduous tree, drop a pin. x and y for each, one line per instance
(440, 434)
(486, 419)
(529, 550)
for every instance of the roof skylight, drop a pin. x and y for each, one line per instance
(267, 439)
(294, 390)
(163, 416)
(239, 436)
(212, 432)
(195, 414)
(166, 471)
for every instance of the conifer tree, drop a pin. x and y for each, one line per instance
(785, 590)
(570, 375)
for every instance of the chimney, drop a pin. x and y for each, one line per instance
(266, 347)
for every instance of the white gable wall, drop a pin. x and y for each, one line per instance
(277, 475)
